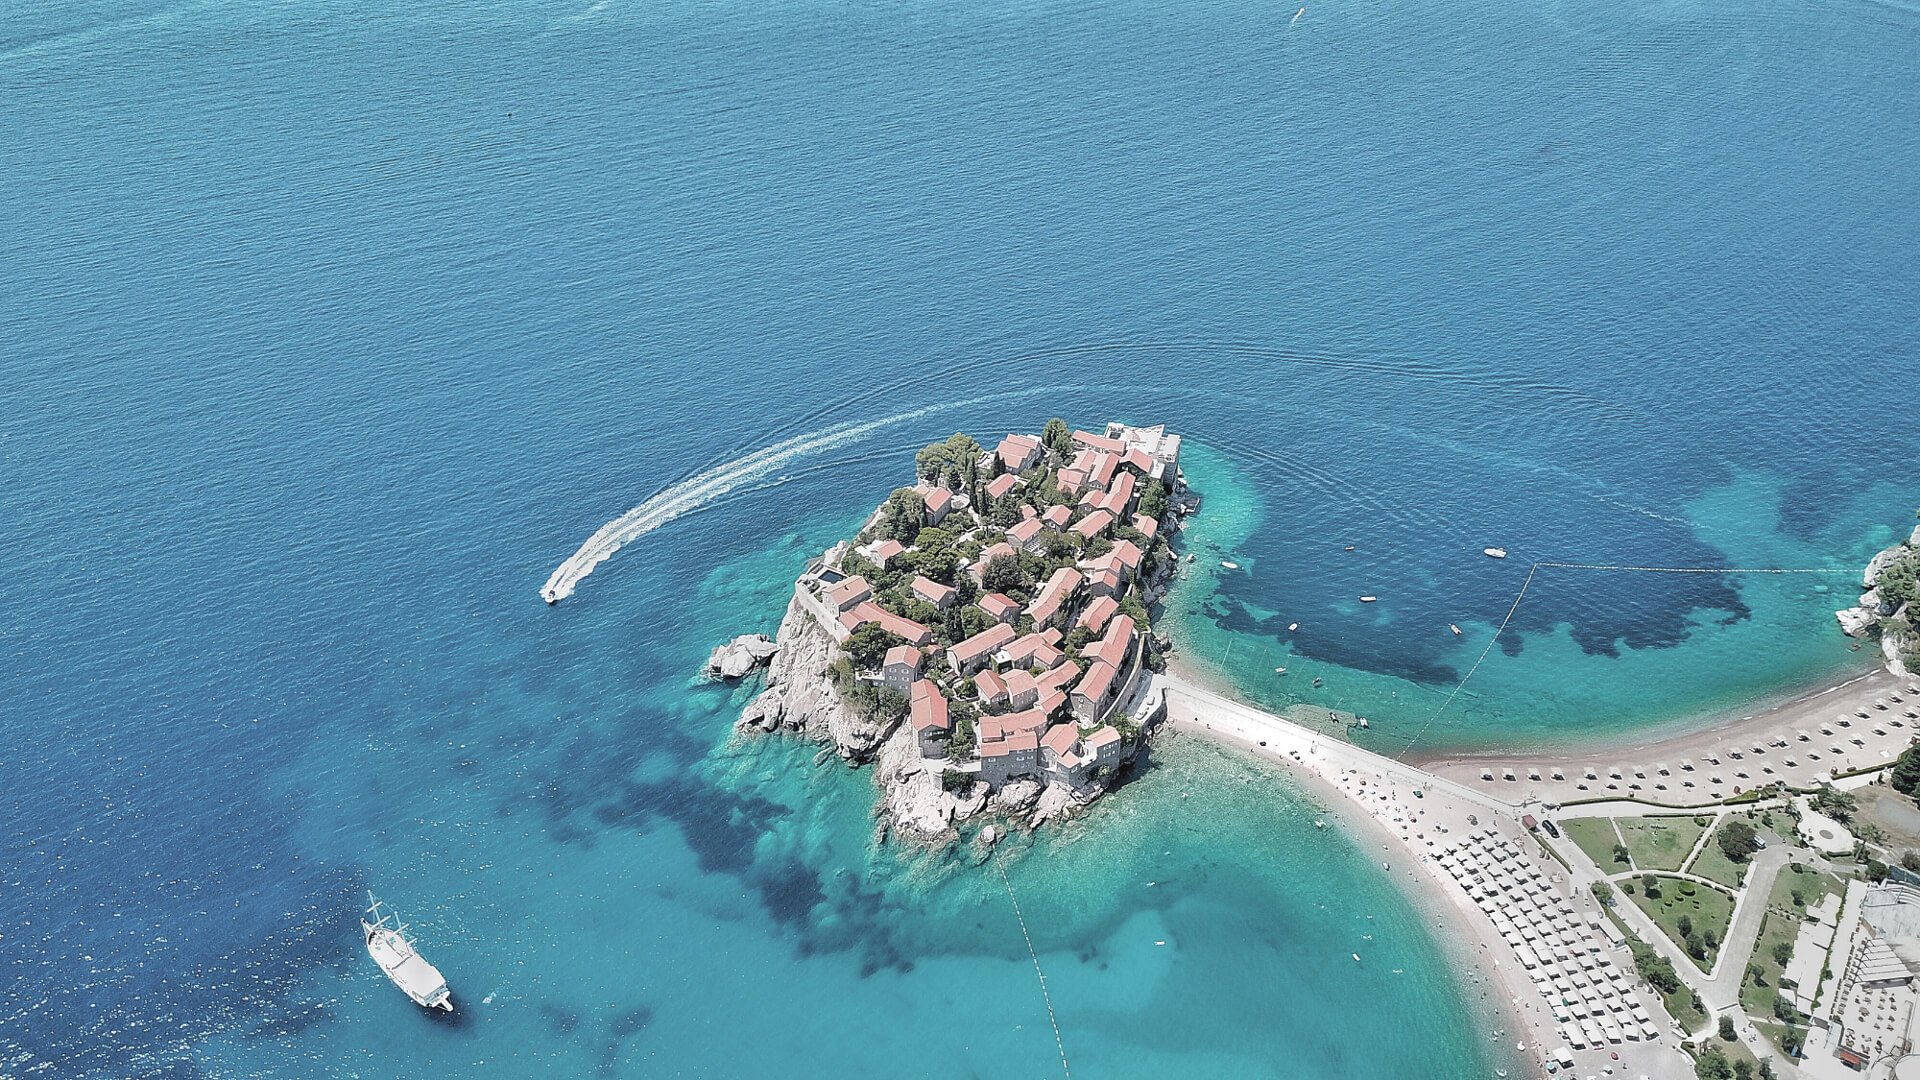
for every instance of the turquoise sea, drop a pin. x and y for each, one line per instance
(328, 330)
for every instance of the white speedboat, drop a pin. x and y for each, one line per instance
(1494, 553)
(393, 950)
(1455, 627)
(1229, 564)
(1368, 599)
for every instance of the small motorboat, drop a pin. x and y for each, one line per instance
(1279, 671)
(1189, 556)
(1229, 564)
(1292, 626)
(1356, 957)
(1494, 553)
(1368, 599)
(1455, 627)
(1316, 680)
(1349, 547)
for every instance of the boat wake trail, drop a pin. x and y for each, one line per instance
(700, 490)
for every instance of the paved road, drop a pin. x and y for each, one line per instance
(1722, 988)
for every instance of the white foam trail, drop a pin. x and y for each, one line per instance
(699, 490)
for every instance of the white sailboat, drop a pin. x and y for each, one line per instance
(393, 950)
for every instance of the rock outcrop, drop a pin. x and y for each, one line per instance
(1856, 622)
(738, 657)
(800, 696)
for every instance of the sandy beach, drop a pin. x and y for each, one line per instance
(1860, 723)
(1373, 797)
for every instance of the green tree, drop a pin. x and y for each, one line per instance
(960, 744)
(1685, 925)
(1057, 437)
(1905, 775)
(1004, 574)
(1737, 841)
(1153, 500)
(902, 516)
(1743, 1070)
(1836, 804)
(1621, 855)
(868, 646)
(1603, 892)
(1782, 952)
(1651, 885)
(1713, 1065)
(955, 780)
(1726, 1028)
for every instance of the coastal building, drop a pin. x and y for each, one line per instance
(1023, 691)
(1072, 758)
(1094, 692)
(1149, 527)
(1018, 453)
(884, 552)
(900, 668)
(971, 655)
(940, 596)
(1008, 755)
(991, 689)
(939, 502)
(1001, 486)
(1049, 608)
(869, 612)
(1115, 646)
(1039, 649)
(1055, 517)
(999, 607)
(1027, 535)
(1088, 441)
(1126, 557)
(1161, 449)
(1105, 583)
(849, 594)
(1009, 745)
(1098, 612)
(1093, 524)
(927, 710)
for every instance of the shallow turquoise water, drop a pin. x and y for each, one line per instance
(330, 330)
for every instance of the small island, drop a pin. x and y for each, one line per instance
(986, 638)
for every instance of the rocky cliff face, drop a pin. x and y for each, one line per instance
(801, 698)
(1875, 617)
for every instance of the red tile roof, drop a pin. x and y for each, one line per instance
(1097, 442)
(867, 611)
(1002, 484)
(928, 708)
(1102, 473)
(1017, 451)
(1099, 612)
(1056, 516)
(1011, 742)
(1096, 682)
(1060, 739)
(1093, 524)
(1058, 589)
(1101, 736)
(1148, 526)
(1115, 645)
(938, 499)
(932, 591)
(1025, 531)
(903, 654)
(999, 605)
(982, 644)
(848, 593)
(991, 686)
(1059, 678)
(1033, 649)
(1127, 554)
(885, 550)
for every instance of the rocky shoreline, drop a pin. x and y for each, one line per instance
(1887, 608)
(800, 699)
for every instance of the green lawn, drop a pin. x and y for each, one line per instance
(1595, 837)
(1714, 865)
(1782, 924)
(1679, 1003)
(1708, 908)
(1660, 843)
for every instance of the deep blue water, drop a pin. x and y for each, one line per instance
(328, 331)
